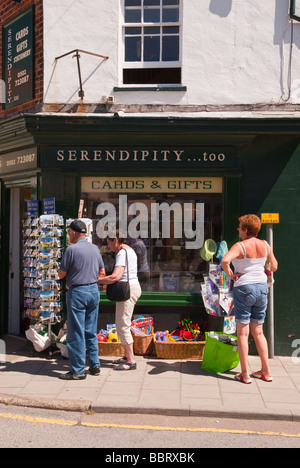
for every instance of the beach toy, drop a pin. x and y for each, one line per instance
(112, 336)
(164, 336)
(176, 335)
(142, 326)
(190, 336)
(102, 338)
(208, 250)
(222, 250)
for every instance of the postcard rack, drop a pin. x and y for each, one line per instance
(43, 248)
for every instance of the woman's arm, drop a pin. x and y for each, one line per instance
(234, 252)
(273, 261)
(101, 273)
(114, 277)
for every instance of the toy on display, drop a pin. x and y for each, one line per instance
(222, 250)
(142, 325)
(109, 335)
(187, 331)
(113, 336)
(208, 250)
(102, 338)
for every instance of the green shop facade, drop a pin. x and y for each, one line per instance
(220, 168)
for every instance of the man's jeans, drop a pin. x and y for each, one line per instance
(82, 307)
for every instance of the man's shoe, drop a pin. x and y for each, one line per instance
(94, 370)
(70, 376)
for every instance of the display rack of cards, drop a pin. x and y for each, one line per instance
(43, 248)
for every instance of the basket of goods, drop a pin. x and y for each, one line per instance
(142, 332)
(109, 343)
(187, 342)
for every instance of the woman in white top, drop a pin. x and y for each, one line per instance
(250, 293)
(124, 310)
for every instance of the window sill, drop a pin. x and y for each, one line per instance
(163, 299)
(127, 89)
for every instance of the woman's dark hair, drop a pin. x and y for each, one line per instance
(120, 239)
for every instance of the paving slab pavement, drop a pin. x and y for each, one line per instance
(157, 387)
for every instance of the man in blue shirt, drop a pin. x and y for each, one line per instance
(82, 265)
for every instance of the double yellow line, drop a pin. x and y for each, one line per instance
(63, 422)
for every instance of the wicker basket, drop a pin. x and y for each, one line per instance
(179, 349)
(143, 345)
(111, 349)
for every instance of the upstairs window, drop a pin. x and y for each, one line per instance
(151, 34)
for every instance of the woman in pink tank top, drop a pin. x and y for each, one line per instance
(250, 293)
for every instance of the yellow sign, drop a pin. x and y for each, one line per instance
(270, 218)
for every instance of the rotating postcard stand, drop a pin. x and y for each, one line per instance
(43, 248)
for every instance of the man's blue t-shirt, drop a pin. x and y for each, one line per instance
(82, 262)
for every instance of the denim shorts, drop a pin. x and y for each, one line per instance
(250, 303)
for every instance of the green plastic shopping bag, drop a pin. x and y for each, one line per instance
(219, 357)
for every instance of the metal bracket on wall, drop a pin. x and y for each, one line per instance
(77, 55)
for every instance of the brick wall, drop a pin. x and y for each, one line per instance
(9, 10)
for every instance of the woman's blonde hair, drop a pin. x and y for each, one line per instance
(252, 223)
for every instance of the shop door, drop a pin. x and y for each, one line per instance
(18, 198)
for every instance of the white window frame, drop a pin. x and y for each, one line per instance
(142, 25)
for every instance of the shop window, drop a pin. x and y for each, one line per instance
(168, 253)
(151, 35)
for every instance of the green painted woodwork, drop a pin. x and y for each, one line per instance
(265, 179)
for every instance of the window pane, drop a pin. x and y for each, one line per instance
(170, 15)
(170, 52)
(151, 30)
(151, 2)
(172, 266)
(151, 49)
(132, 49)
(152, 16)
(133, 16)
(170, 30)
(133, 31)
(132, 3)
(170, 2)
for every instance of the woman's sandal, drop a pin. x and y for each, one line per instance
(122, 360)
(259, 375)
(241, 379)
(125, 366)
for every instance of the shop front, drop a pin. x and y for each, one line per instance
(166, 201)
(168, 184)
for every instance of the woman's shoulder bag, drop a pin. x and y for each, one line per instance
(120, 290)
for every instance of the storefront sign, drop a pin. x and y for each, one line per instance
(18, 161)
(150, 184)
(90, 158)
(18, 59)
